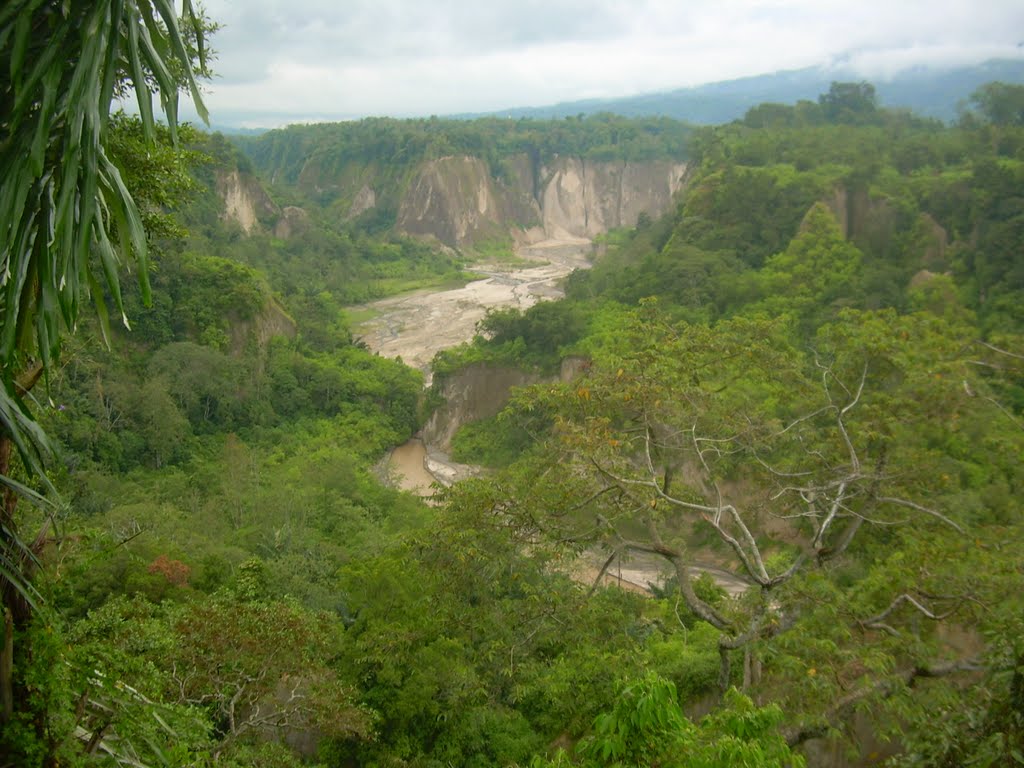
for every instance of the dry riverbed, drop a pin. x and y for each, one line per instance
(416, 326)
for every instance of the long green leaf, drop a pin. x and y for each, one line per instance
(142, 93)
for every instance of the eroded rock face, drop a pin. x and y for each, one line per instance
(476, 392)
(480, 391)
(245, 201)
(457, 201)
(583, 199)
(364, 200)
(293, 221)
(452, 199)
(271, 321)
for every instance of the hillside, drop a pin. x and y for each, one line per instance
(928, 92)
(464, 183)
(795, 363)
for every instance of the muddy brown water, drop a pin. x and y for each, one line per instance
(407, 467)
(416, 326)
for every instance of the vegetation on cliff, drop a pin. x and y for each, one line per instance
(808, 374)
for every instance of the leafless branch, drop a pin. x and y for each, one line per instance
(919, 508)
(601, 573)
(877, 622)
(1000, 351)
(1013, 419)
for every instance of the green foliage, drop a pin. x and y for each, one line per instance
(647, 727)
(64, 199)
(63, 195)
(392, 146)
(1000, 103)
(545, 331)
(494, 442)
(849, 102)
(227, 539)
(818, 273)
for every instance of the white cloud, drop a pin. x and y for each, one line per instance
(311, 58)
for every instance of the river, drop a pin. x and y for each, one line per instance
(416, 326)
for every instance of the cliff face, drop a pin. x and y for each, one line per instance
(452, 199)
(269, 322)
(480, 391)
(476, 392)
(584, 198)
(458, 201)
(246, 203)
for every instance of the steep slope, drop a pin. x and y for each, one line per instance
(463, 183)
(457, 201)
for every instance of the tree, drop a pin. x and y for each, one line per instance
(817, 272)
(787, 469)
(849, 102)
(647, 727)
(1000, 103)
(67, 219)
(260, 667)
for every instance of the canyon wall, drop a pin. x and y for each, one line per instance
(461, 200)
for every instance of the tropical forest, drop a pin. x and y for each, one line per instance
(596, 441)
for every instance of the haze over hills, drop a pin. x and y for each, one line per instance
(927, 91)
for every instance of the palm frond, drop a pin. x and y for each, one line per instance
(61, 197)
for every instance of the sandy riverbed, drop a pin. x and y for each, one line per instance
(416, 326)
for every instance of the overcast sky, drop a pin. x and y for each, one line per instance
(300, 60)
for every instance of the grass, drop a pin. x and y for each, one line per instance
(361, 315)
(500, 251)
(398, 285)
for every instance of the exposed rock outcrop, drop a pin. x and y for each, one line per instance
(293, 221)
(452, 199)
(365, 200)
(462, 200)
(476, 392)
(246, 203)
(269, 322)
(480, 391)
(457, 201)
(582, 199)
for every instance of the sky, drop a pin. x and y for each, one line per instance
(310, 60)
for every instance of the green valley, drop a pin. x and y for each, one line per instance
(777, 374)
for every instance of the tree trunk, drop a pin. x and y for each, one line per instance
(10, 596)
(7, 669)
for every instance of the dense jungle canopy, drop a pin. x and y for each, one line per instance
(806, 374)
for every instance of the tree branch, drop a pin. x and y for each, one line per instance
(884, 688)
(876, 622)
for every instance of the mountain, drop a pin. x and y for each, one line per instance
(927, 91)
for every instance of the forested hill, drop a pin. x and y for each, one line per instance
(808, 375)
(485, 181)
(283, 154)
(803, 371)
(928, 92)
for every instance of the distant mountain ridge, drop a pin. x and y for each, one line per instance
(927, 91)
